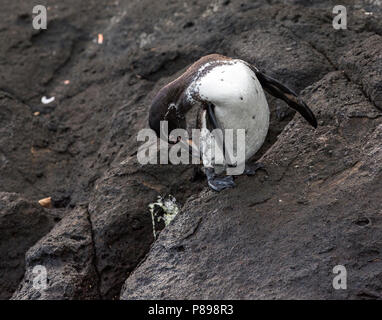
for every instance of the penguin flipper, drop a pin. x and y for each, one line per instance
(282, 92)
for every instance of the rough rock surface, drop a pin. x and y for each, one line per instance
(67, 253)
(282, 235)
(22, 224)
(276, 236)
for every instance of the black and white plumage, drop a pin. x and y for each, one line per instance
(230, 95)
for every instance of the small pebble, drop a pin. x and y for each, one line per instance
(46, 202)
(100, 38)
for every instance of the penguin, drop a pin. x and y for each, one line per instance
(229, 94)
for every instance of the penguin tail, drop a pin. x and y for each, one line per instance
(280, 91)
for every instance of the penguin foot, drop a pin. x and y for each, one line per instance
(218, 183)
(250, 170)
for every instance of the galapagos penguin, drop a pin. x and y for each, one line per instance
(229, 94)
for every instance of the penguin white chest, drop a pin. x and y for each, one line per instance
(239, 101)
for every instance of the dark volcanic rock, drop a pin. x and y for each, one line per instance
(67, 253)
(121, 222)
(363, 64)
(22, 224)
(281, 237)
(275, 237)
